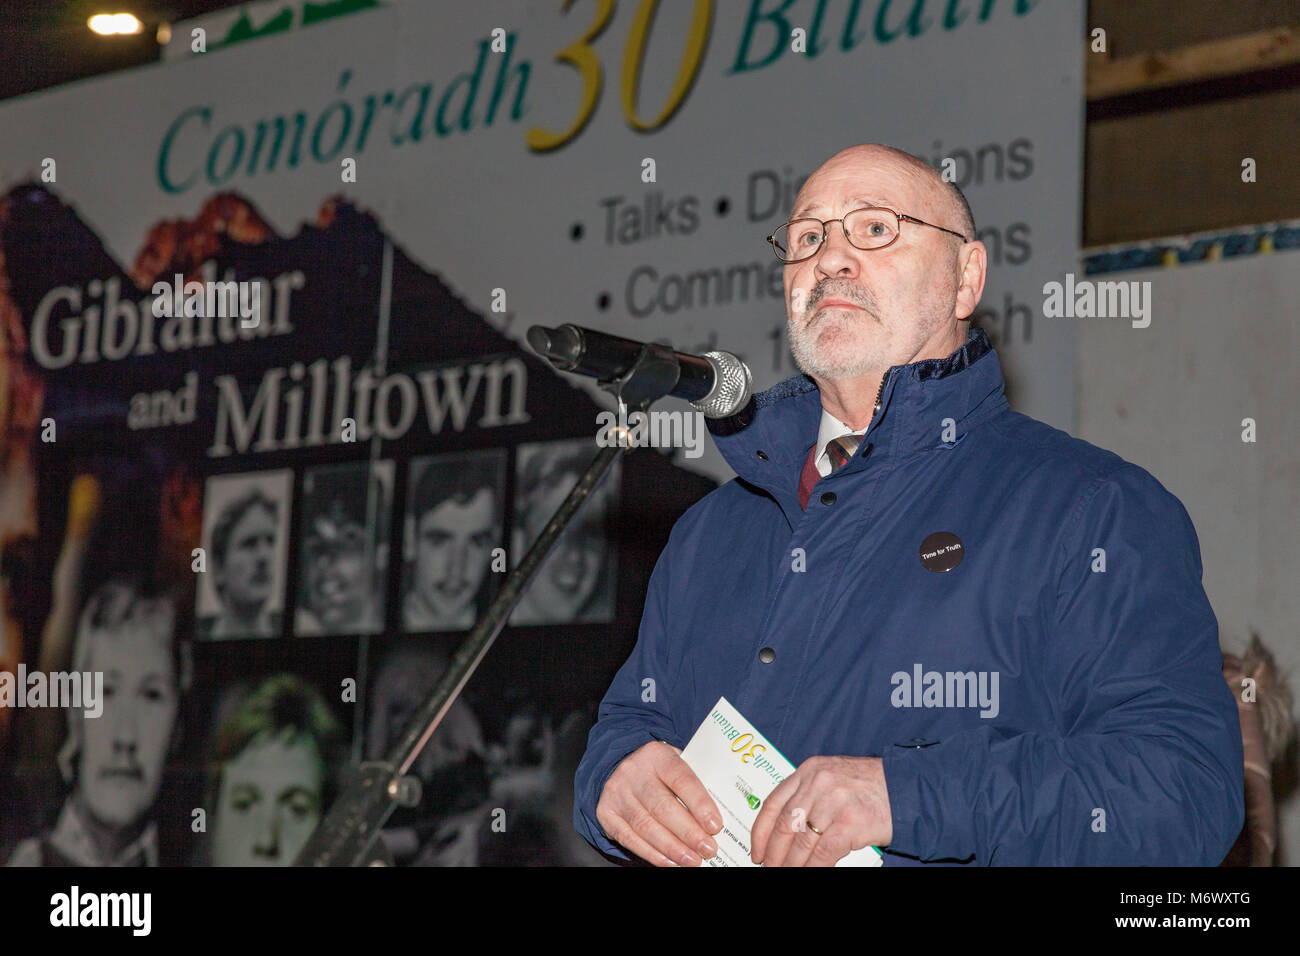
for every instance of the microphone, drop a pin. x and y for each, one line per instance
(716, 383)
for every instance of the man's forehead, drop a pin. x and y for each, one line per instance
(257, 516)
(860, 178)
(286, 754)
(132, 649)
(807, 207)
(450, 509)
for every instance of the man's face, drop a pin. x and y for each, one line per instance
(338, 575)
(453, 547)
(124, 750)
(270, 801)
(853, 312)
(569, 575)
(246, 573)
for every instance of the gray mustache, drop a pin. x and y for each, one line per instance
(852, 294)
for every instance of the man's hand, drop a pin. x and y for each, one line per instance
(843, 797)
(640, 809)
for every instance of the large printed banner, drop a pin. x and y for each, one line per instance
(271, 438)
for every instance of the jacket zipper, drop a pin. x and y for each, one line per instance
(879, 393)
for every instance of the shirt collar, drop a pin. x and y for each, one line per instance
(71, 839)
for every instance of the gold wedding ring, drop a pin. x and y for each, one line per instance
(814, 829)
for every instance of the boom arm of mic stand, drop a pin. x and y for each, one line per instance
(348, 831)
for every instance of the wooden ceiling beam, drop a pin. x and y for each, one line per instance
(1246, 53)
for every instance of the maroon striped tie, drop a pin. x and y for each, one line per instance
(840, 450)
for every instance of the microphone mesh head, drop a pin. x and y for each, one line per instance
(732, 386)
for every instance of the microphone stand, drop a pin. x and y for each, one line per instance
(347, 834)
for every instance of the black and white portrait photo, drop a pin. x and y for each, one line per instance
(245, 536)
(344, 548)
(454, 522)
(113, 761)
(576, 582)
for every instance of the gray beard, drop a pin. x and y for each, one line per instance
(811, 362)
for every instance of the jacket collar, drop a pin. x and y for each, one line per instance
(767, 443)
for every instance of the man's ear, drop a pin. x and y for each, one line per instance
(973, 265)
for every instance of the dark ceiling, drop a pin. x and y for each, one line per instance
(46, 42)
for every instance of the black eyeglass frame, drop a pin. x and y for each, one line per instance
(901, 217)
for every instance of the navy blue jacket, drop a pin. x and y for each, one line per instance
(1114, 739)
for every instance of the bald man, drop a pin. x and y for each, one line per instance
(978, 640)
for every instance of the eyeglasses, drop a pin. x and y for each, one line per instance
(868, 228)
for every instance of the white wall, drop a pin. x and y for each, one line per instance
(1221, 347)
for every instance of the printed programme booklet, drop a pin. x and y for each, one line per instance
(740, 768)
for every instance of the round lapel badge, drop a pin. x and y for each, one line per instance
(941, 551)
